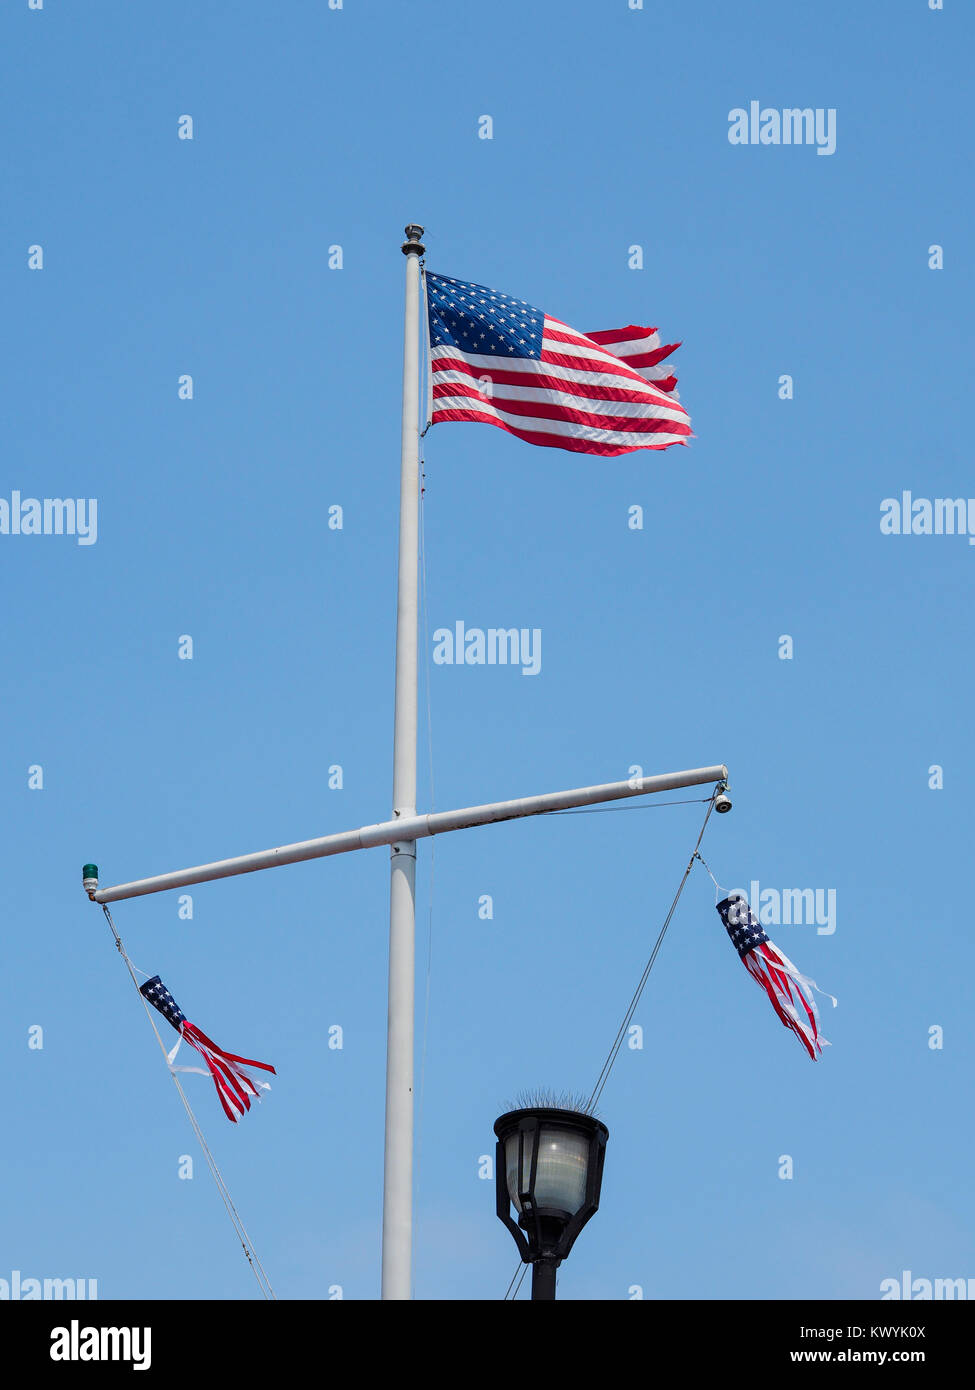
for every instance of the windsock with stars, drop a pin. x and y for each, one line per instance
(790, 992)
(234, 1086)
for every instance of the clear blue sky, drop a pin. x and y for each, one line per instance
(162, 256)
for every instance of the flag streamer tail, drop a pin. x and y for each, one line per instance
(788, 988)
(233, 1085)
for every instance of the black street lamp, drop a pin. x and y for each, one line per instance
(549, 1167)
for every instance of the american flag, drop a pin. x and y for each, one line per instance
(498, 360)
(790, 993)
(234, 1086)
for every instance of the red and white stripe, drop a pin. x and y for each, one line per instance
(604, 393)
(790, 993)
(234, 1086)
(641, 349)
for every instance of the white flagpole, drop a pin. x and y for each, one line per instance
(398, 1164)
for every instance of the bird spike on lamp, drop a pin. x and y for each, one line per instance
(549, 1167)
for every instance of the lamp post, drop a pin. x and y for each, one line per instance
(549, 1167)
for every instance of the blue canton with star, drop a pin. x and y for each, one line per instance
(477, 320)
(741, 924)
(159, 996)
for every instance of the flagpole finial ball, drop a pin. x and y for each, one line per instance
(413, 246)
(89, 878)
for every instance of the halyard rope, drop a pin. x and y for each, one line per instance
(519, 1275)
(631, 1009)
(429, 971)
